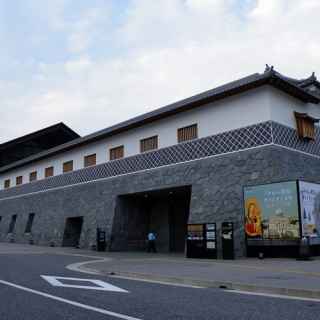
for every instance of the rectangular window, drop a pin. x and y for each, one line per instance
(33, 176)
(12, 223)
(29, 223)
(68, 166)
(188, 133)
(7, 183)
(19, 180)
(48, 172)
(305, 125)
(90, 160)
(150, 143)
(116, 153)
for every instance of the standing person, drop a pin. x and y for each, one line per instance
(151, 242)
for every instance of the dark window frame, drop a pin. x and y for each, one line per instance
(50, 170)
(6, 183)
(29, 224)
(149, 144)
(33, 176)
(187, 133)
(19, 180)
(87, 160)
(12, 223)
(68, 165)
(116, 153)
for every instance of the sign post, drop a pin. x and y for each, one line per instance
(227, 240)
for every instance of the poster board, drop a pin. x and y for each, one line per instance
(272, 211)
(309, 194)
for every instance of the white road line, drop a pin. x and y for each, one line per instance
(271, 295)
(73, 303)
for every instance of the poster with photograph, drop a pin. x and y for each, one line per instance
(271, 211)
(309, 208)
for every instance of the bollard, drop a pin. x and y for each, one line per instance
(304, 250)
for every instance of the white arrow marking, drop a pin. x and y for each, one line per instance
(98, 284)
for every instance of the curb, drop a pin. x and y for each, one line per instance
(225, 285)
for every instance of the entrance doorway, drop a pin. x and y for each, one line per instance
(164, 212)
(72, 232)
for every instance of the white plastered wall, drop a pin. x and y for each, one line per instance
(255, 106)
(282, 108)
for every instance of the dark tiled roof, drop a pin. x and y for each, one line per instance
(35, 142)
(269, 77)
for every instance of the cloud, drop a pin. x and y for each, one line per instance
(115, 62)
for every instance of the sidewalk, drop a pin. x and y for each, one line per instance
(279, 276)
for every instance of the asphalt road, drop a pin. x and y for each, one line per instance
(25, 295)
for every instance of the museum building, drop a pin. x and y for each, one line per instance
(218, 166)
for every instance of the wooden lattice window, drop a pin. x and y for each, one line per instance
(305, 125)
(150, 143)
(67, 166)
(117, 153)
(33, 176)
(188, 133)
(48, 172)
(7, 183)
(90, 160)
(19, 180)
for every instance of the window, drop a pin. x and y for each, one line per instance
(12, 223)
(305, 125)
(48, 172)
(149, 144)
(188, 133)
(19, 180)
(116, 153)
(90, 160)
(67, 166)
(7, 183)
(29, 223)
(33, 176)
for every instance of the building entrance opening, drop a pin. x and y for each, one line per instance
(163, 212)
(72, 232)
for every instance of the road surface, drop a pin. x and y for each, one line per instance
(33, 287)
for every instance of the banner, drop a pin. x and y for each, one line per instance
(271, 211)
(309, 208)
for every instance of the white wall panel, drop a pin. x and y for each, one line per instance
(255, 106)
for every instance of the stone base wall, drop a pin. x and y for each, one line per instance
(217, 194)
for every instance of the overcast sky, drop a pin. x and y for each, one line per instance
(91, 64)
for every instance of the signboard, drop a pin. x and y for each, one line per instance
(309, 194)
(271, 211)
(201, 240)
(195, 231)
(211, 236)
(227, 240)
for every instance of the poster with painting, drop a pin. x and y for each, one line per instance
(271, 211)
(309, 194)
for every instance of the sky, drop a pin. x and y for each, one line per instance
(92, 64)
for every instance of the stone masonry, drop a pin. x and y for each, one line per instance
(217, 194)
